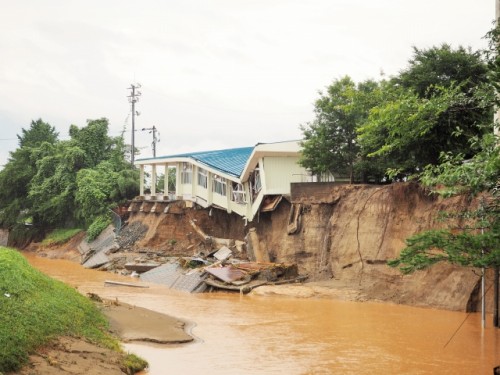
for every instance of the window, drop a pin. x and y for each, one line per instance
(238, 193)
(202, 178)
(255, 182)
(187, 173)
(219, 185)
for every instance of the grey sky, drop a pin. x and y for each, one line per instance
(214, 73)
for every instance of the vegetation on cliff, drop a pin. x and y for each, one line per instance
(36, 309)
(476, 242)
(432, 122)
(60, 236)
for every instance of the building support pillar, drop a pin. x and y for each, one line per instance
(153, 181)
(165, 183)
(141, 180)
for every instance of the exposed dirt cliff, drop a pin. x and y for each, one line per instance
(344, 235)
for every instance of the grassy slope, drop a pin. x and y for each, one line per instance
(35, 309)
(60, 236)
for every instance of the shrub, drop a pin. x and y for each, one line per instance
(97, 226)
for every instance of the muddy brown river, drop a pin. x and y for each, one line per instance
(238, 334)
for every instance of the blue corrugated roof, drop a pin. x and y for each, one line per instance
(230, 161)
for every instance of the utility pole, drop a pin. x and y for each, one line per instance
(497, 110)
(155, 139)
(496, 275)
(133, 98)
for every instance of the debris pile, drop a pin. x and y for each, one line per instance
(218, 269)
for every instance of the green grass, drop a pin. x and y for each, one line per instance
(35, 309)
(134, 363)
(60, 236)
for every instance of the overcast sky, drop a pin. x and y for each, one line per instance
(214, 73)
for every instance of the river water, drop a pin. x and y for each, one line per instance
(238, 334)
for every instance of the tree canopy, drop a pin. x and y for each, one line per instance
(58, 183)
(477, 242)
(434, 122)
(330, 144)
(395, 127)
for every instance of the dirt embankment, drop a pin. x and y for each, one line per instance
(347, 238)
(71, 355)
(345, 234)
(344, 238)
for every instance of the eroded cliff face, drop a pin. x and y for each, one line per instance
(344, 235)
(348, 237)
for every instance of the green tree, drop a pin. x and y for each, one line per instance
(401, 130)
(16, 176)
(102, 188)
(93, 139)
(52, 189)
(478, 243)
(330, 143)
(37, 133)
(79, 180)
(443, 66)
(437, 104)
(65, 183)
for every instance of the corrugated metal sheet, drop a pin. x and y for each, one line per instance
(227, 274)
(171, 275)
(166, 274)
(192, 282)
(230, 161)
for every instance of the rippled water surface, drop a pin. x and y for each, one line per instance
(275, 335)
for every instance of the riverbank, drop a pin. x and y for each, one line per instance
(129, 323)
(49, 328)
(275, 334)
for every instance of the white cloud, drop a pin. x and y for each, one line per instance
(215, 73)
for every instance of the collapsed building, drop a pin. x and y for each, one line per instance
(243, 180)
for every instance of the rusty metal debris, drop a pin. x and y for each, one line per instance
(227, 274)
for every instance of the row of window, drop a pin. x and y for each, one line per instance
(219, 184)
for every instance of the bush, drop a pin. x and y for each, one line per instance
(97, 226)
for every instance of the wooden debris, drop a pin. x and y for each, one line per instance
(120, 283)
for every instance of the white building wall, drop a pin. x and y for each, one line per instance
(280, 172)
(219, 200)
(240, 209)
(200, 193)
